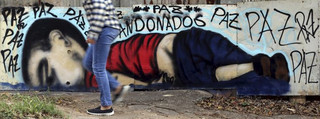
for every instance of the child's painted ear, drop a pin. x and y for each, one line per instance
(55, 34)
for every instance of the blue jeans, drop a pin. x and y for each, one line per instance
(95, 60)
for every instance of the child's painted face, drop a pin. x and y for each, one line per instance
(62, 64)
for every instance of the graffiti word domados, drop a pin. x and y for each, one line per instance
(164, 23)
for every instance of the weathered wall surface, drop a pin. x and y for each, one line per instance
(288, 28)
(20, 3)
(258, 48)
(117, 3)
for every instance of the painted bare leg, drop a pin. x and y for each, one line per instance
(228, 72)
(164, 55)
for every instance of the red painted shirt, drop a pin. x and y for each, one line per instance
(135, 57)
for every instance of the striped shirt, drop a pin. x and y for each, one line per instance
(100, 14)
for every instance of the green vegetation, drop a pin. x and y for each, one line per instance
(24, 106)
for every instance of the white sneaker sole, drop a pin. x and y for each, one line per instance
(101, 114)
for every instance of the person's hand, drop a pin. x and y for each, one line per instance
(91, 41)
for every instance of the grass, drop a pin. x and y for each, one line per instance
(24, 106)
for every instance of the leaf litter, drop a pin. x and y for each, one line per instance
(260, 105)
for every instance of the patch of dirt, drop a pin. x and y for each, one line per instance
(264, 106)
(79, 103)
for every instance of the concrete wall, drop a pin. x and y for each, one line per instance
(66, 3)
(117, 3)
(257, 48)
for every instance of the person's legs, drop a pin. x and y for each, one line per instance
(100, 54)
(87, 60)
(118, 90)
(87, 64)
(95, 61)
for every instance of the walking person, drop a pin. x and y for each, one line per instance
(104, 28)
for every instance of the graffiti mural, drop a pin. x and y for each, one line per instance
(195, 58)
(43, 47)
(260, 48)
(52, 54)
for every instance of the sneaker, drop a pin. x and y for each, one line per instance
(98, 112)
(119, 97)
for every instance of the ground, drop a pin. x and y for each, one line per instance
(184, 104)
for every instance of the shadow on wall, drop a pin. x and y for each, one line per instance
(52, 54)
